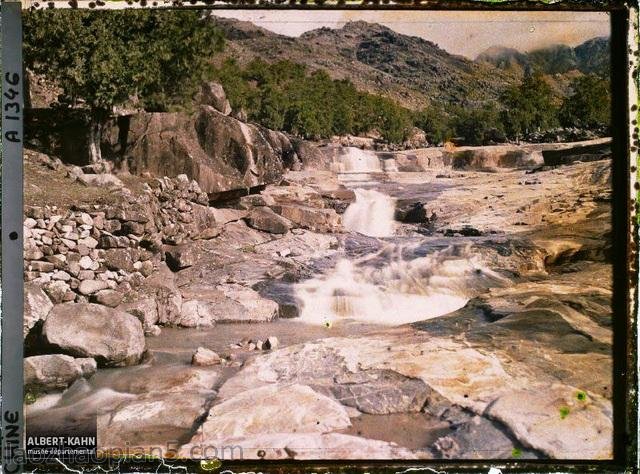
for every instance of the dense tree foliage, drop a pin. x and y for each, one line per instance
(478, 125)
(156, 60)
(107, 58)
(286, 96)
(529, 107)
(436, 123)
(589, 104)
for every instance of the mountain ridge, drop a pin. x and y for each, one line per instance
(410, 70)
(589, 57)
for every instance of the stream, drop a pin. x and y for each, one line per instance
(384, 274)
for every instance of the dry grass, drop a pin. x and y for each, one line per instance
(45, 186)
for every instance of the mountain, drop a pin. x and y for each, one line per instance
(503, 58)
(412, 71)
(590, 57)
(594, 56)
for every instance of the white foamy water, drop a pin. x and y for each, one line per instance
(403, 291)
(370, 214)
(355, 160)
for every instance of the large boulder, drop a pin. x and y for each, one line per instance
(263, 218)
(221, 153)
(55, 371)
(112, 337)
(205, 305)
(37, 306)
(161, 286)
(212, 93)
(312, 218)
(311, 156)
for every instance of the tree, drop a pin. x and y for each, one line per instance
(396, 122)
(287, 96)
(589, 104)
(436, 123)
(529, 107)
(105, 58)
(478, 125)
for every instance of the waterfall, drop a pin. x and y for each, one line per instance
(370, 214)
(398, 292)
(355, 160)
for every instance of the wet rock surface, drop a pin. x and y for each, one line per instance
(504, 280)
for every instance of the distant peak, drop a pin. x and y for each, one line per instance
(350, 27)
(361, 24)
(497, 51)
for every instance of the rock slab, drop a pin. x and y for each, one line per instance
(112, 337)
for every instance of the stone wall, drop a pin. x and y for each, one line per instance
(103, 253)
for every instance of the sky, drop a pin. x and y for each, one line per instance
(458, 32)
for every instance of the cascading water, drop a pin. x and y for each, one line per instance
(370, 214)
(400, 292)
(355, 160)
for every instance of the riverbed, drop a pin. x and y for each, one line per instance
(383, 279)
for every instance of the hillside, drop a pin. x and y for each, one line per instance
(410, 70)
(590, 57)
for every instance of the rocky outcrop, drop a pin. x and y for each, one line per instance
(291, 421)
(282, 409)
(306, 446)
(311, 156)
(421, 159)
(112, 337)
(220, 152)
(486, 158)
(490, 158)
(149, 421)
(580, 152)
(438, 375)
